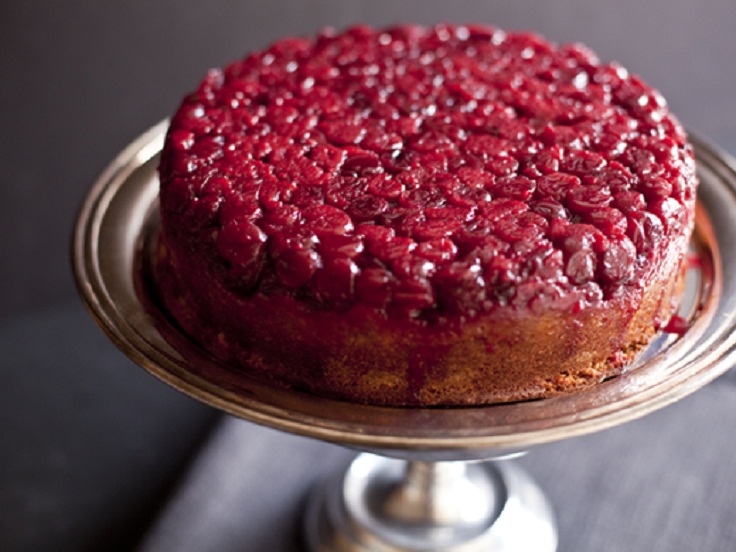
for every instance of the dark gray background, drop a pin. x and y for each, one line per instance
(90, 446)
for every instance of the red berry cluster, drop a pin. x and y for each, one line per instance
(427, 171)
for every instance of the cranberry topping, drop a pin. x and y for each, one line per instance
(427, 171)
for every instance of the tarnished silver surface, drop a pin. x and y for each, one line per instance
(389, 505)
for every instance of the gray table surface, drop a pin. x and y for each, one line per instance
(95, 454)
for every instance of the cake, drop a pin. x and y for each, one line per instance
(424, 216)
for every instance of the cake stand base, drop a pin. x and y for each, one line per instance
(388, 505)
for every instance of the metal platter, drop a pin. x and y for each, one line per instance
(119, 218)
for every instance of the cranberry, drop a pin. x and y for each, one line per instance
(546, 263)
(628, 202)
(557, 185)
(295, 267)
(384, 186)
(527, 227)
(475, 178)
(618, 261)
(181, 140)
(307, 196)
(378, 140)
(501, 208)
(391, 247)
(334, 282)
(412, 295)
(329, 157)
(241, 243)
(549, 208)
(360, 162)
(645, 230)
(282, 215)
(518, 188)
(608, 220)
(502, 165)
(239, 207)
(655, 187)
(437, 250)
(272, 193)
(581, 267)
(325, 219)
(435, 229)
(585, 199)
(367, 207)
(205, 211)
(460, 288)
(335, 245)
(640, 161)
(373, 286)
(341, 192)
(670, 211)
(373, 233)
(572, 238)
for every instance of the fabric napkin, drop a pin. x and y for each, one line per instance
(666, 482)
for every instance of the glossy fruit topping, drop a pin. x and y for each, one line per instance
(427, 172)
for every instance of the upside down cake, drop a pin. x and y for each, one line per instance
(452, 215)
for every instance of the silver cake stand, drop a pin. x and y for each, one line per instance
(419, 483)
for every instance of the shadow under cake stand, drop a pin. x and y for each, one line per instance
(418, 484)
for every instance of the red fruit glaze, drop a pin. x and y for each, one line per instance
(424, 172)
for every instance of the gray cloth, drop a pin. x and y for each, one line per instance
(665, 482)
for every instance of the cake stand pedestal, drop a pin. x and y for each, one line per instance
(419, 483)
(386, 504)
